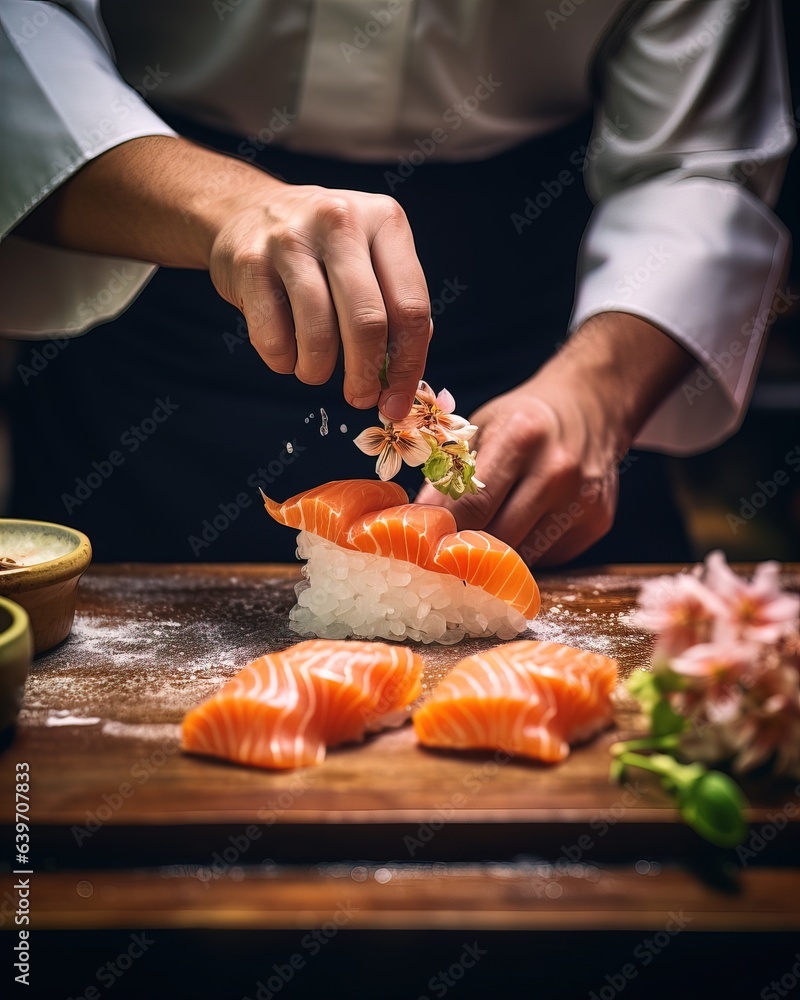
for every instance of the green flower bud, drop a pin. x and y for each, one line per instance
(714, 805)
(437, 466)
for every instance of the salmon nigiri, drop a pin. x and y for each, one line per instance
(528, 697)
(285, 709)
(379, 567)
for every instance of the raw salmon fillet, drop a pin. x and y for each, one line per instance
(285, 709)
(527, 697)
(410, 532)
(484, 561)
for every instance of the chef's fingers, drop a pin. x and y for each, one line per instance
(261, 296)
(408, 310)
(357, 298)
(316, 328)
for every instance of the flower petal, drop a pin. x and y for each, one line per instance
(412, 448)
(425, 394)
(445, 401)
(463, 431)
(414, 420)
(371, 441)
(388, 464)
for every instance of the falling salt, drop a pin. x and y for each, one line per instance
(289, 447)
(343, 428)
(323, 429)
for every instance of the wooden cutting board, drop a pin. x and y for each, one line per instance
(100, 730)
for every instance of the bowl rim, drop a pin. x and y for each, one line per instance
(20, 622)
(64, 567)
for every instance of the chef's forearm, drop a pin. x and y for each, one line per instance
(624, 367)
(157, 199)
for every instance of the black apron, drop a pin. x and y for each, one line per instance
(153, 433)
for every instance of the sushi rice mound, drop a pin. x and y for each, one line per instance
(350, 593)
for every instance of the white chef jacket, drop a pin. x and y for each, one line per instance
(693, 127)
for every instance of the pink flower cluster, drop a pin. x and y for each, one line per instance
(733, 648)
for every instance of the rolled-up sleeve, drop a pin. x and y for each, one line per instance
(688, 153)
(63, 104)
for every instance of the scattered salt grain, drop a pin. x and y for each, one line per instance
(163, 731)
(59, 719)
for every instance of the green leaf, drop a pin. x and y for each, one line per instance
(642, 685)
(664, 720)
(666, 680)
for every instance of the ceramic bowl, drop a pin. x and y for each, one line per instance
(40, 565)
(16, 653)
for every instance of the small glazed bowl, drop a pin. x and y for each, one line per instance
(40, 565)
(16, 654)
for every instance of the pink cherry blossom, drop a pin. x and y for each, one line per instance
(756, 609)
(716, 676)
(729, 648)
(679, 609)
(714, 660)
(770, 723)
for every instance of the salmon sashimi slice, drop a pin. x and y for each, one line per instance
(484, 561)
(285, 709)
(330, 510)
(409, 532)
(527, 697)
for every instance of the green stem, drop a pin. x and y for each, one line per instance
(669, 742)
(659, 763)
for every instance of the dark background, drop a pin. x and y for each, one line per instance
(713, 485)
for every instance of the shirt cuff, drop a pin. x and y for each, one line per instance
(702, 260)
(82, 289)
(65, 104)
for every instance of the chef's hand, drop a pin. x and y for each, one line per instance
(549, 450)
(310, 268)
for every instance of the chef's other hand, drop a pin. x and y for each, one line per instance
(549, 450)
